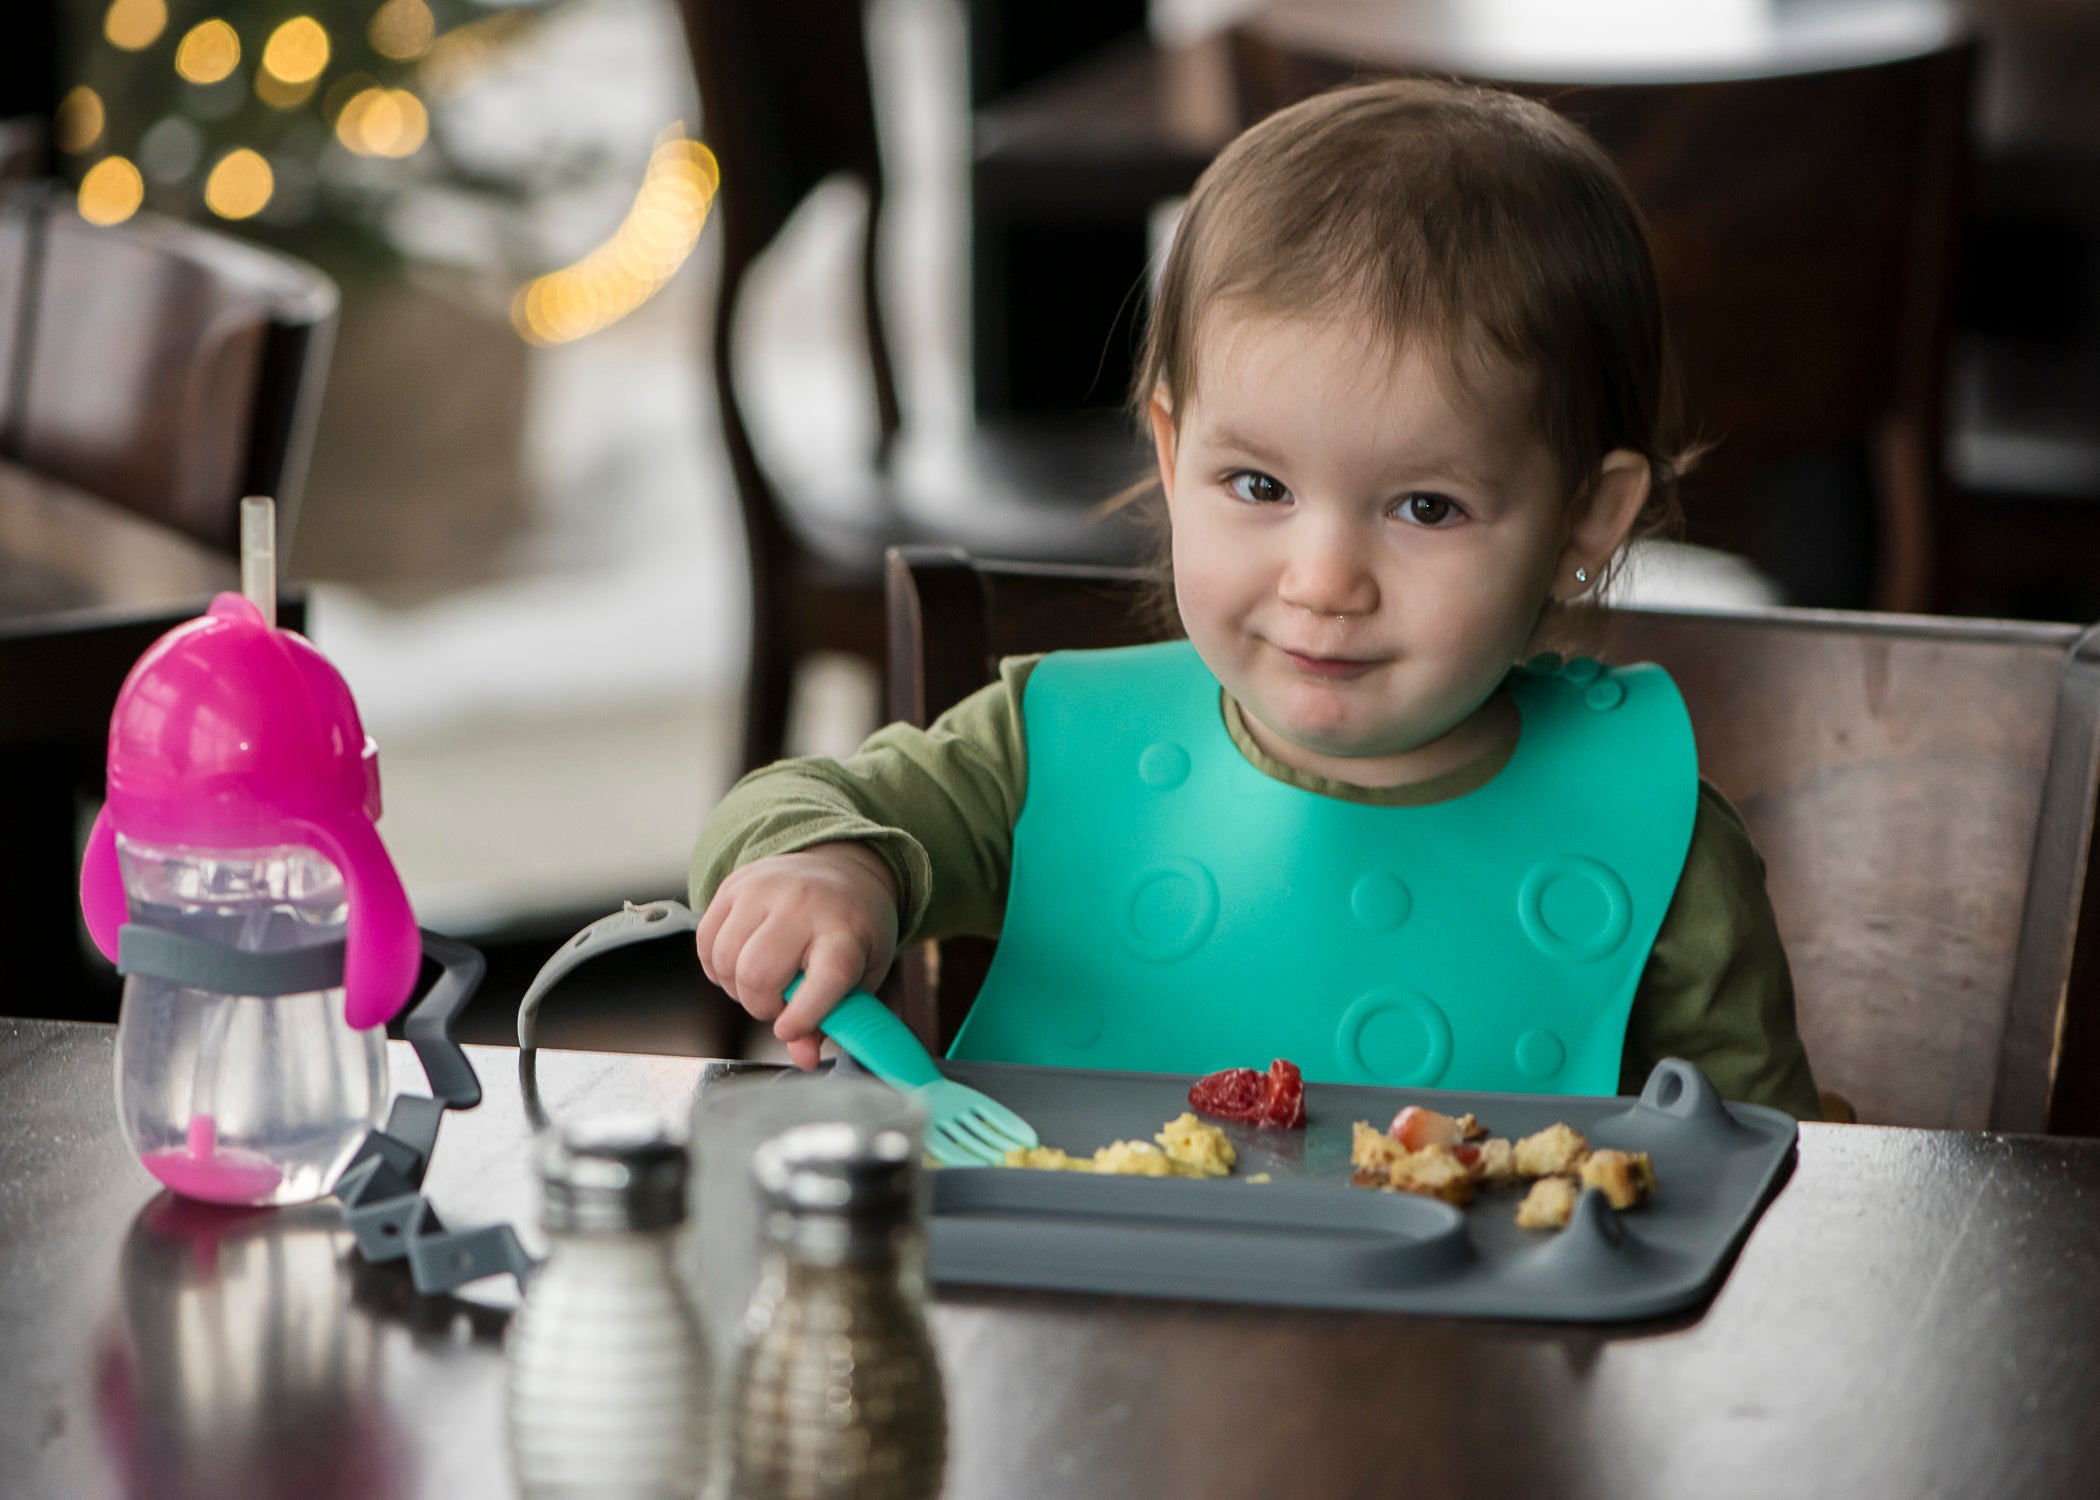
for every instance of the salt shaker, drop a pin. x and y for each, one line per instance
(838, 1391)
(608, 1392)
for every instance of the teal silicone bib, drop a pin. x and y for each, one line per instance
(1173, 909)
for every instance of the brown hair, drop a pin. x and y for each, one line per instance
(1480, 221)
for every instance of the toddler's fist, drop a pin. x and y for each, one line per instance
(828, 913)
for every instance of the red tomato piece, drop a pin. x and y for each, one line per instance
(1415, 1127)
(1275, 1099)
(1284, 1108)
(1233, 1094)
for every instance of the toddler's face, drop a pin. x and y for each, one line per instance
(1361, 546)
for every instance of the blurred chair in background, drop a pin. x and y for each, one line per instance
(788, 104)
(167, 368)
(1923, 792)
(151, 374)
(21, 150)
(1805, 211)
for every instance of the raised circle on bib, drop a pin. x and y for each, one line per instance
(1379, 901)
(1583, 669)
(1605, 694)
(1163, 766)
(1169, 910)
(1395, 1037)
(1079, 1020)
(1574, 908)
(1540, 1054)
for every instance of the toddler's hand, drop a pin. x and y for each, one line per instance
(828, 913)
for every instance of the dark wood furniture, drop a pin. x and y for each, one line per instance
(1911, 1316)
(789, 104)
(151, 374)
(1923, 791)
(167, 368)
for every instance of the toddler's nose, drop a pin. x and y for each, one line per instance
(1325, 575)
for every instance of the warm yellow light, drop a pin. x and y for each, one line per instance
(402, 29)
(652, 242)
(383, 122)
(80, 119)
(208, 52)
(239, 185)
(297, 51)
(133, 25)
(111, 192)
(278, 94)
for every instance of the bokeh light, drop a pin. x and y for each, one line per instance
(383, 122)
(239, 185)
(278, 94)
(652, 242)
(134, 25)
(297, 51)
(208, 52)
(78, 124)
(402, 29)
(111, 192)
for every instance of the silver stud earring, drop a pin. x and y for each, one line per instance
(1582, 575)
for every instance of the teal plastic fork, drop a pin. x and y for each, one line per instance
(964, 1128)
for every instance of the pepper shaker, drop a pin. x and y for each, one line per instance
(838, 1391)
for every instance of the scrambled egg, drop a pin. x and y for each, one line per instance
(1188, 1147)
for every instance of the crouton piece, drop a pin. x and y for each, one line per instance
(1627, 1177)
(1549, 1204)
(1553, 1151)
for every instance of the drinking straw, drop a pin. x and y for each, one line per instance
(259, 555)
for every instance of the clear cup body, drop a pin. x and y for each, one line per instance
(253, 1099)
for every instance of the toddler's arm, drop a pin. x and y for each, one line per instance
(817, 860)
(1717, 990)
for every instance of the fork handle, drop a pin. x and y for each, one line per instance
(878, 1041)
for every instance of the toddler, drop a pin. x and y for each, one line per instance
(1405, 374)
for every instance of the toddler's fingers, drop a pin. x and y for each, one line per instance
(833, 967)
(804, 1051)
(733, 930)
(768, 959)
(708, 932)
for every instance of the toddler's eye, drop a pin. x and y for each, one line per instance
(1429, 510)
(1256, 487)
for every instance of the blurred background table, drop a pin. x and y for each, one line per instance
(1911, 1316)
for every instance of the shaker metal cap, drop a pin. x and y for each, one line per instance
(833, 1167)
(609, 1175)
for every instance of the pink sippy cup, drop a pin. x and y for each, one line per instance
(236, 878)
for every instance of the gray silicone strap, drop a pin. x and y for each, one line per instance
(630, 924)
(199, 964)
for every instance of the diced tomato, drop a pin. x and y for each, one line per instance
(1234, 1094)
(1415, 1127)
(1275, 1099)
(1285, 1106)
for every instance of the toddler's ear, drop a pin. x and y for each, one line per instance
(1162, 412)
(1599, 525)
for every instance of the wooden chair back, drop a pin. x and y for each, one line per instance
(1922, 790)
(1805, 227)
(167, 368)
(788, 102)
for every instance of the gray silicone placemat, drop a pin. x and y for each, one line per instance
(1310, 1238)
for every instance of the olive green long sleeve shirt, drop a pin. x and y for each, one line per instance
(939, 805)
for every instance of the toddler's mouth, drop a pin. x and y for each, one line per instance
(1328, 666)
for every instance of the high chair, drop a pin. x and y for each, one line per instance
(1923, 791)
